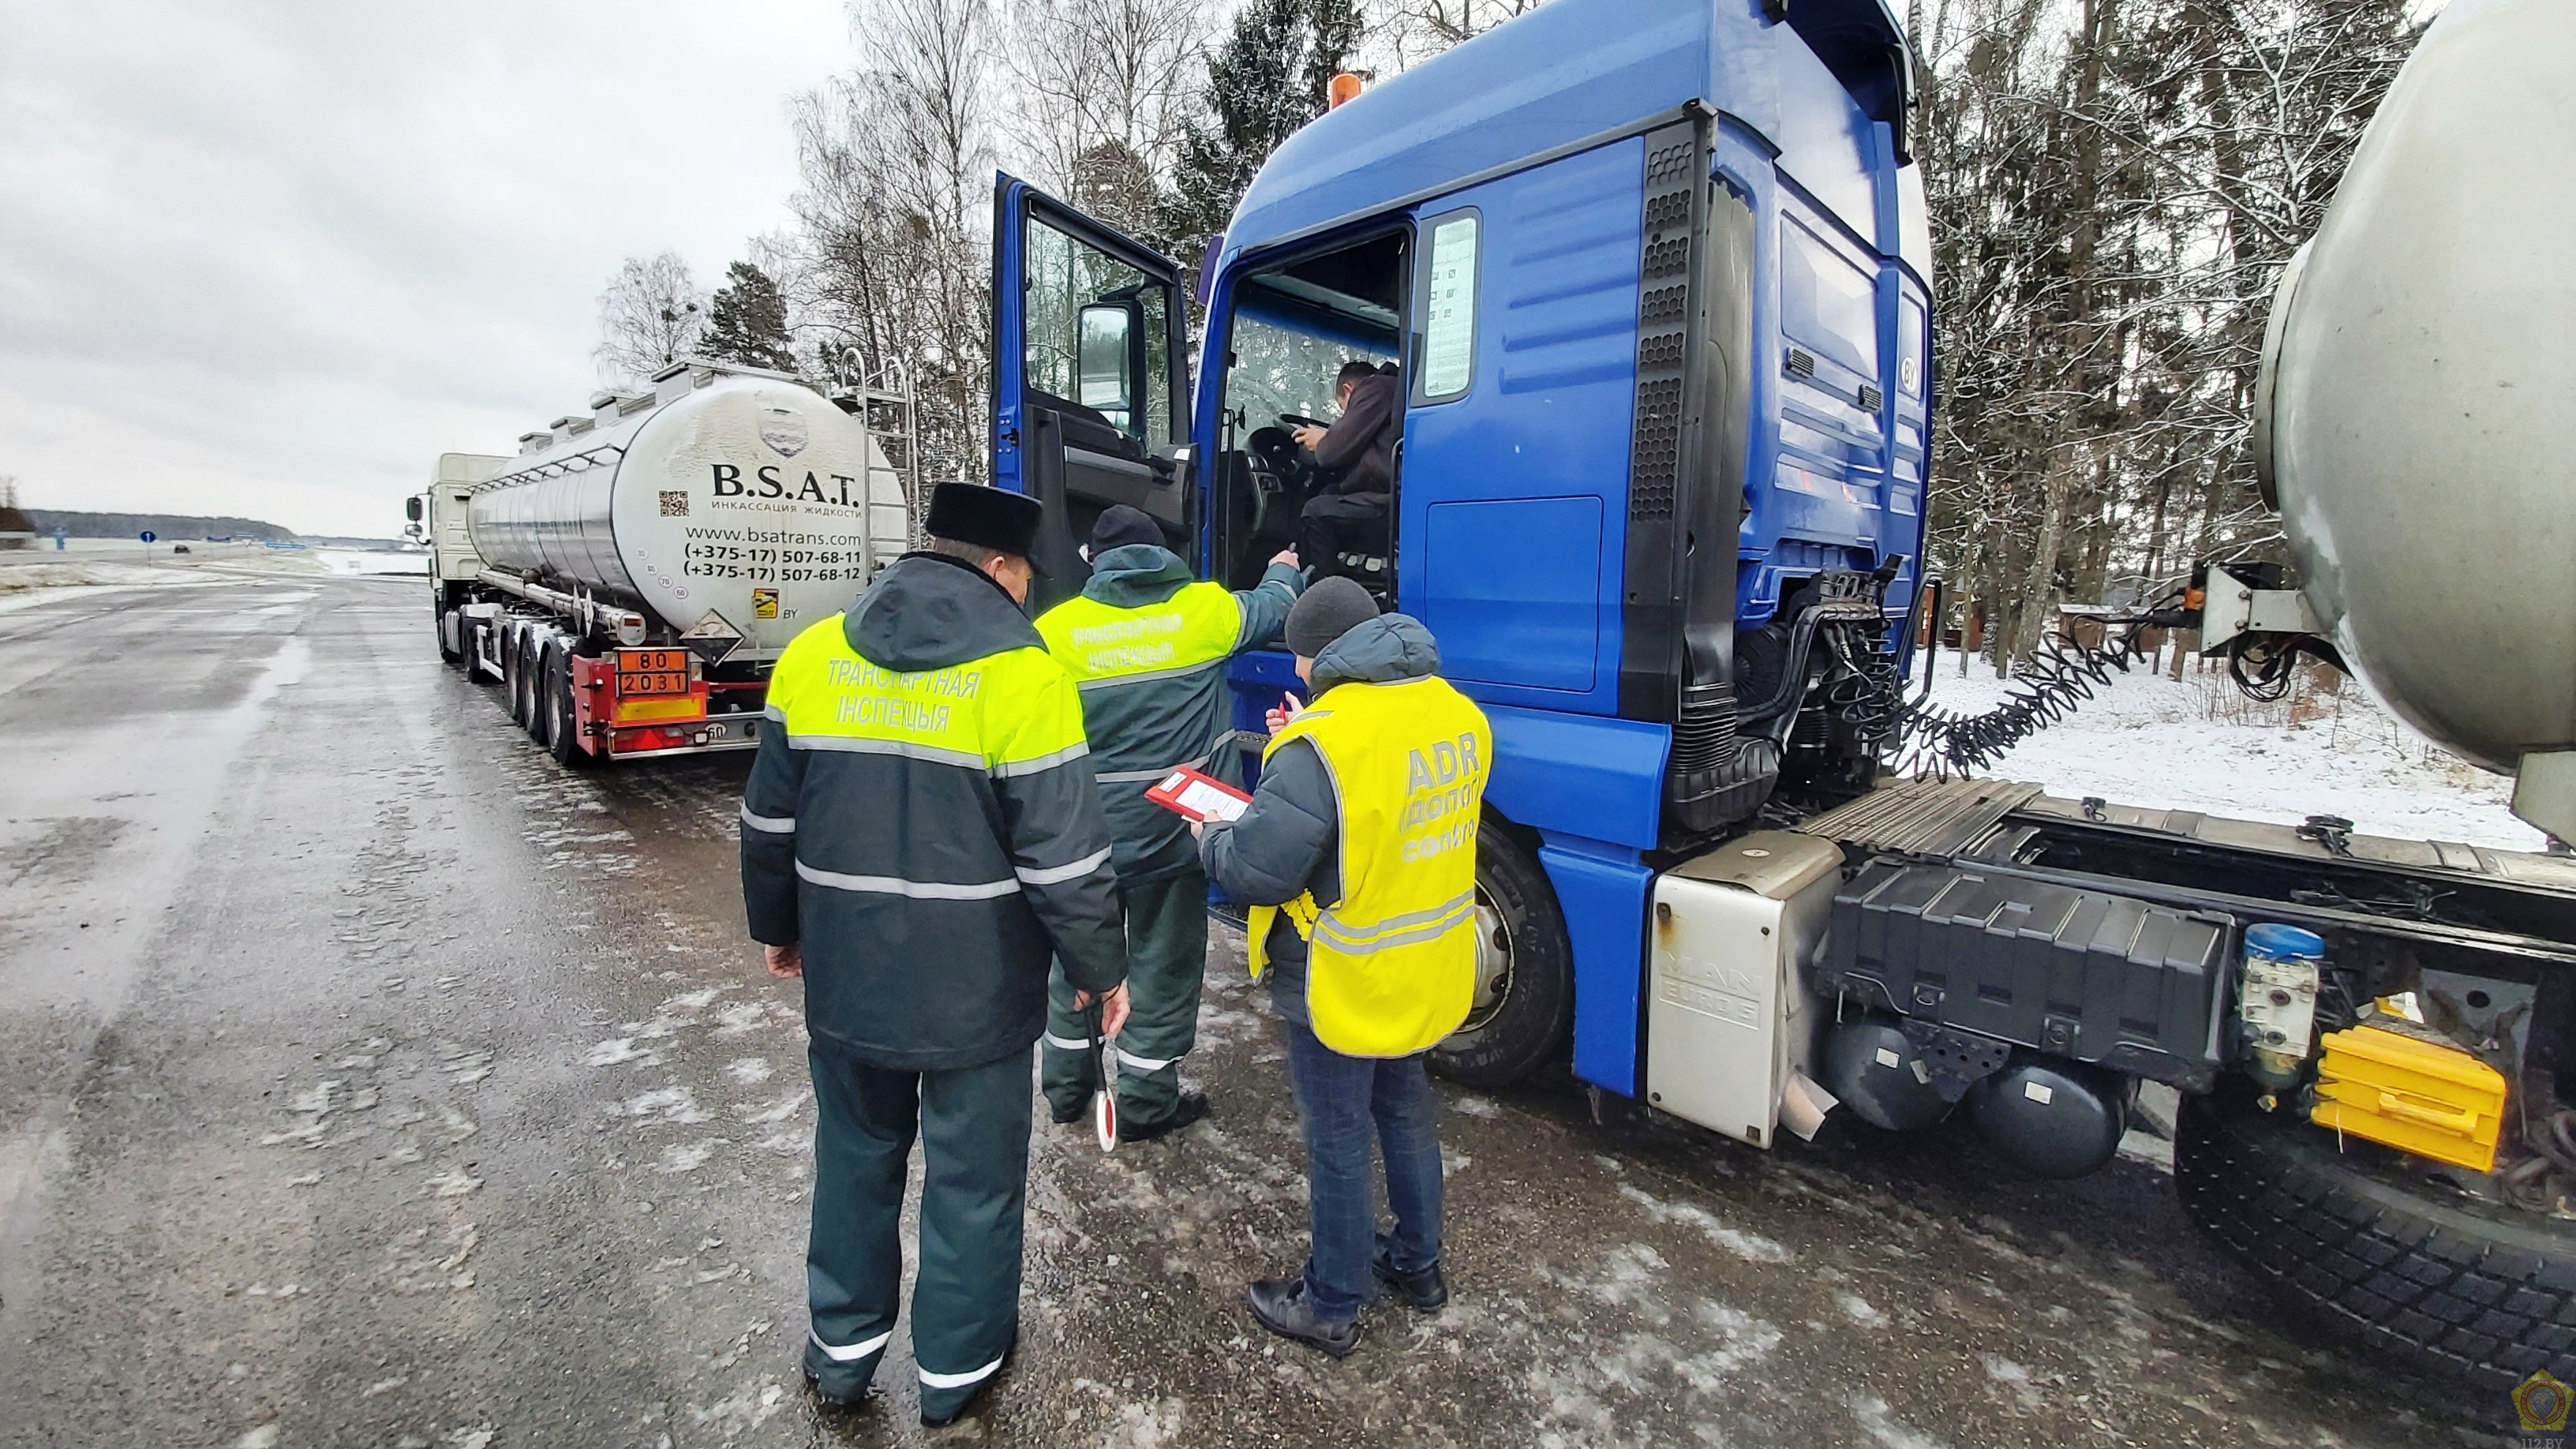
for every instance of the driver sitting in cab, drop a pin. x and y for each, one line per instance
(1357, 458)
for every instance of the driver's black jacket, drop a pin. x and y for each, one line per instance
(1359, 449)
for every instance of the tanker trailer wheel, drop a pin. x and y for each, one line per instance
(563, 722)
(534, 645)
(514, 674)
(2377, 1254)
(1524, 1003)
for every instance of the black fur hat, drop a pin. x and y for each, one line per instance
(994, 518)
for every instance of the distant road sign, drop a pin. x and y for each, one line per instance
(149, 535)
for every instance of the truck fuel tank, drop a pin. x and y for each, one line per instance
(1730, 1022)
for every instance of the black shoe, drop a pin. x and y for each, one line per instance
(864, 1396)
(1067, 1116)
(1190, 1108)
(1423, 1292)
(1282, 1307)
(974, 1395)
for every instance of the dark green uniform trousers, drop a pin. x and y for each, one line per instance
(1166, 966)
(974, 1129)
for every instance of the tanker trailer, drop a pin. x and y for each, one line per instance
(630, 575)
(2418, 380)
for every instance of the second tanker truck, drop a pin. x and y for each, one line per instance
(629, 576)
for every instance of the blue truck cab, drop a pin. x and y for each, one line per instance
(1654, 278)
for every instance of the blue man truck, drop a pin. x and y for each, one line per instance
(1656, 278)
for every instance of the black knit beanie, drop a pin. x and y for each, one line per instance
(1331, 608)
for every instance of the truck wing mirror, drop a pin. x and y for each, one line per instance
(411, 508)
(1101, 358)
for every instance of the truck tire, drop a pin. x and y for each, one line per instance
(563, 724)
(2376, 1254)
(438, 619)
(1525, 1018)
(514, 674)
(536, 668)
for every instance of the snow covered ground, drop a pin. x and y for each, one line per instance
(370, 561)
(2196, 744)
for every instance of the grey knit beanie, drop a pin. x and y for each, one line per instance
(1325, 612)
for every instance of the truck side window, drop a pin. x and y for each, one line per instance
(1448, 294)
(1098, 338)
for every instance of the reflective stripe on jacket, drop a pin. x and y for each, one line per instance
(1391, 964)
(1147, 648)
(921, 819)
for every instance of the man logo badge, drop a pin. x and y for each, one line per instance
(2542, 1403)
(783, 431)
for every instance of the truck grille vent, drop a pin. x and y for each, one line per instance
(1663, 308)
(1664, 318)
(1653, 462)
(1660, 354)
(1801, 363)
(1871, 397)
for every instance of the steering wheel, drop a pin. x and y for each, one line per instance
(1282, 467)
(1294, 421)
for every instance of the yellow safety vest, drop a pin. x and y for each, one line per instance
(1195, 628)
(1391, 966)
(1006, 713)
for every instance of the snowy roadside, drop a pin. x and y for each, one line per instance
(2196, 744)
(28, 581)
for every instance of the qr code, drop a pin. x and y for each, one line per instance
(675, 503)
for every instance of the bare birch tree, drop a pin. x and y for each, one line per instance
(1105, 85)
(888, 272)
(650, 317)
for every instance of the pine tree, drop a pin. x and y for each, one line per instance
(1269, 78)
(747, 322)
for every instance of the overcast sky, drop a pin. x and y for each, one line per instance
(272, 258)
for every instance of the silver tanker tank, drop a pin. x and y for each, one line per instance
(2419, 392)
(727, 493)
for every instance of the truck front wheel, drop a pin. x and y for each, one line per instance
(1524, 1004)
(2373, 1250)
(438, 625)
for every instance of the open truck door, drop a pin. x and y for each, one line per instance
(1090, 379)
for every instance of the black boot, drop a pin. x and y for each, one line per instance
(1423, 1292)
(975, 1395)
(1064, 1116)
(856, 1399)
(1283, 1307)
(1190, 1108)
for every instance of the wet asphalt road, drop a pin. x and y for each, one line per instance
(367, 1079)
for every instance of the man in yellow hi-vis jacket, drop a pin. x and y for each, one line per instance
(1358, 855)
(1148, 648)
(920, 834)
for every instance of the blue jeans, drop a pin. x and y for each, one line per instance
(1339, 1098)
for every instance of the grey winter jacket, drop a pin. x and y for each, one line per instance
(1141, 725)
(929, 886)
(1289, 839)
